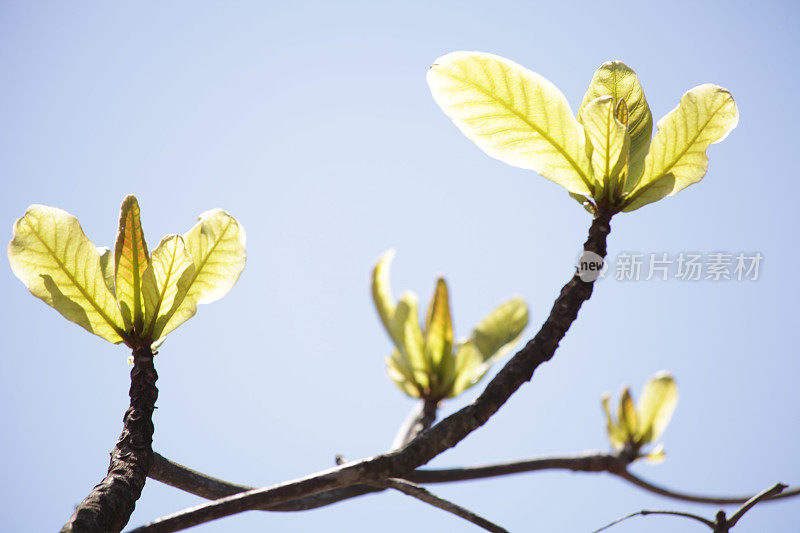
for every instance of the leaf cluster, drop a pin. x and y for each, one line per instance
(128, 295)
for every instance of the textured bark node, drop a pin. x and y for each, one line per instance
(109, 505)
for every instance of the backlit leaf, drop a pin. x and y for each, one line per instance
(382, 291)
(469, 368)
(677, 157)
(438, 326)
(608, 140)
(514, 115)
(164, 283)
(130, 262)
(626, 414)
(405, 326)
(53, 258)
(107, 267)
(616, 79)
(496, 334)
(615, 434)
(217, 246)
(658, 402)
(402, 375)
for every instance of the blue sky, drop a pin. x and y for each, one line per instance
(313, 125)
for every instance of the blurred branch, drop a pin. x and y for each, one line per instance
(767, 494)
(694, 498)
(415, 491)
(421, 417)
(722, 524)
(646, 512)
(433, 441)
(200, 484)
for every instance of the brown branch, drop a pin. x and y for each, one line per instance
(421, 417)
(721, 524)
(695, 498)
(764, 495)
(181, 477)
(587, 462)
(415, 491)
(646, 512)
(109, 505)
(433, 441)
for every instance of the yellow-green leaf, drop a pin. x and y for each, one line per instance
(496, 334)
(677, 157)
(398, 370)
(608, 140)
(438, 326)
(616, 79)
(382, 291)
(130, 262)
(164, 284)
(107, 267)
(217, 246)
(514, 115)
(405, 326)
(469, 368)
(621, 112)
(658, 402)
(615, 433)
(627, 414)
(53, 258)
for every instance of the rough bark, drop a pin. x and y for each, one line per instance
(109, 505)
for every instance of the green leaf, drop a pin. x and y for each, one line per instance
(382, 291)
(107, 267)
(438, 327)
(397, 368)
(621, 113)
(658, 402)
(615, 433)
(609, 142)
(53, 258)
(217, 246)
(496, 334)
(405, 328)
(513, 115)
(469, 368)
(677, 156)
(165, 283)
(616, 79)
(130, 262)
(627, 415)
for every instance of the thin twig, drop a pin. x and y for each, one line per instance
(435, 440)
(415, 491)
(645, 512)
(767, 494)
(722, 524)
(695, 498)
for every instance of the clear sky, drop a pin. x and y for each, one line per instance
(313, 125)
